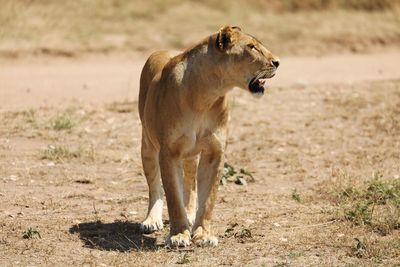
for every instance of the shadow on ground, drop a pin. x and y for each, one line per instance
(117, 236)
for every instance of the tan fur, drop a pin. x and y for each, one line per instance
(184, 114)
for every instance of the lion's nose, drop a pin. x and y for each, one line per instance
(275, 62)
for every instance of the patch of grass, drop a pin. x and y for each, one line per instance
(359, 248)
(39, 120)
(295, 254)
(231, 175)
(62, 122)
(240, 233)
(375, 249)
(185, 259)
(30, 117)
(374, 202)
(20, 119)
(296, 195)
(30, 233)
(243, 233)
(60, 153)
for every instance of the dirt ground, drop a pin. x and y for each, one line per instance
(72, 190)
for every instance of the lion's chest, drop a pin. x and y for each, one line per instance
(194, 136)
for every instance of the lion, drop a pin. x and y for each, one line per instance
(184, 112)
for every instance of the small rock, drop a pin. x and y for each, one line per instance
(283, 239)
(276, 224)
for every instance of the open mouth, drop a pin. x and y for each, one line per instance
(257, 84)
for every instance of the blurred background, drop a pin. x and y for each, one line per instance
(289, 27)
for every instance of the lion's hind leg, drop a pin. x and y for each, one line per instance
(173, 180)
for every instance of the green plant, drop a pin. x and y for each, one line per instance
(59, 153)
(30, 117)
(30, 233)
(359, 249)
(230, 174)
(240, 233)
(62, 122)
(296, 195)
(374, 203)
(185, 259)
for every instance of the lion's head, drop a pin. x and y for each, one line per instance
(249, 62)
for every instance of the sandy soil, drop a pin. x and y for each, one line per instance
(339, 114)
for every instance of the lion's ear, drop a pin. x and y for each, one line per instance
(237, 28)
(224, 38)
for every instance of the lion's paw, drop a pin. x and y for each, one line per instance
(203, 239)
(149, 225)
(179, 240)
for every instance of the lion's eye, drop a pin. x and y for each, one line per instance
(252, 47)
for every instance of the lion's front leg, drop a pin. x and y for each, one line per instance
(190, 188)
(172, 178)
(153, 221)
(207, 181)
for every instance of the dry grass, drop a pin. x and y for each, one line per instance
(367, 202)
(62, 122)
(60, 153)
(370, 207)
(70, 27)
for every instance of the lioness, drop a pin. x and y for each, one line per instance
(184, 114)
